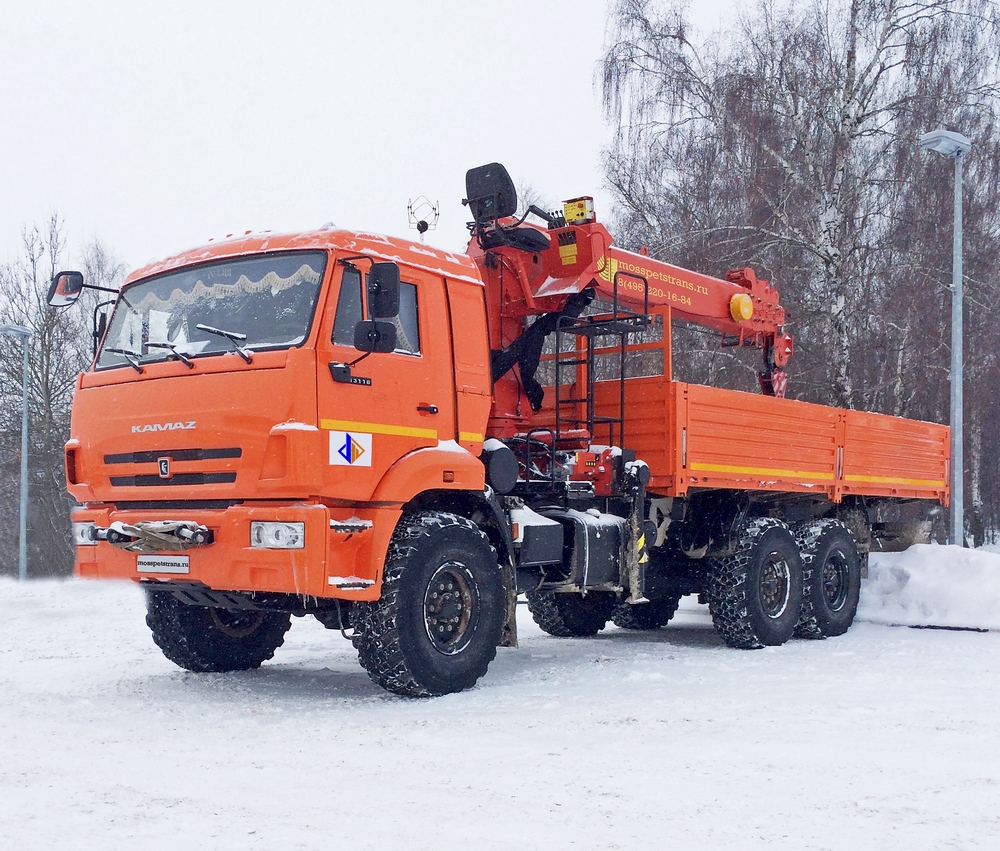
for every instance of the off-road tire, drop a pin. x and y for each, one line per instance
(651, 615)
(571, 615)
(831, 579)
(441, 576)
(755, 594)
(212, 640)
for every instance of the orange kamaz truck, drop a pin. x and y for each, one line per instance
(400, 440)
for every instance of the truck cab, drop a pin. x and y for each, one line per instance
(229, 398)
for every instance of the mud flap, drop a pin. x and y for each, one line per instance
(636, 552)
(635, 556)
(508, 636)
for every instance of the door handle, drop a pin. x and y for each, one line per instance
(427, 409)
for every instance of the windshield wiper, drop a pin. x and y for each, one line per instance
(234, 337)
(131, 357)
(183, 358)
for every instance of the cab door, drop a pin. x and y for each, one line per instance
(394, 403)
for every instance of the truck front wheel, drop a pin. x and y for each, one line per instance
(755, 594)
(831, 575)
(212, 640)
(436, 626)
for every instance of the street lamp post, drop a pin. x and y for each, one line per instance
(954, 145)
(22, 549)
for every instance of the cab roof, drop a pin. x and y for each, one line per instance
(449, 264)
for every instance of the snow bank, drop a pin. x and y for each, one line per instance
(930, 585)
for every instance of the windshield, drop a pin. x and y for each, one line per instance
(246, 304)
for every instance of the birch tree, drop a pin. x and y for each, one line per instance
(784, 143)
(60, 347)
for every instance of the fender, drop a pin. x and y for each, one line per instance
(446, 466)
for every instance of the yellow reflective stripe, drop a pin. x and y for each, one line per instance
(826, 477)
(470, 437)
(760, 471)
(379, 428)
(889, 480)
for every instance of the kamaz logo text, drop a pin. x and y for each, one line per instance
(162, 426)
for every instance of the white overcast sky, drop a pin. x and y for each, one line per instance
(156, 126)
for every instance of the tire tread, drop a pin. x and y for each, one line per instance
(571, 615)
(726, 588)
(187, 637)
(810, 539)
(379, 642)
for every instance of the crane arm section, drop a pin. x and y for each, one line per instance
(551, 273)
(743, 308)
(531, 271)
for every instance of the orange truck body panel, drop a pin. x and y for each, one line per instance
(693, 436)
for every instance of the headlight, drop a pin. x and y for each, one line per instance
(271, 535)
(84, 534)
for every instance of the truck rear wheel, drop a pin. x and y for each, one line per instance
(205, 639)
(755, 594)
(831, 579)
(651, 615)
(567, 615)
(436, 627)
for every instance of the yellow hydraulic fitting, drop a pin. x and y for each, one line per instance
(741, 307)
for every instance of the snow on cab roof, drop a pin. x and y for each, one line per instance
(448, 264)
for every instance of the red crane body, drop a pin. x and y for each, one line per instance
(565, 260)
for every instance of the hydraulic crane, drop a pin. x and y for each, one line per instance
(531, 270)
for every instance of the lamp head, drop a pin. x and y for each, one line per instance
(946, 142)
(15, 330)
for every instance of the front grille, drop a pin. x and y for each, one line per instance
(152, 456)
(176, 479)
(175, 504)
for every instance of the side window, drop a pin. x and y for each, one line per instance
(348, 307)
(407, 326)
(350, 313)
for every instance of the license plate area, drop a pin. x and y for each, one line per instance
(164, 564)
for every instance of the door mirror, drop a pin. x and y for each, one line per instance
(65, 289)
(374, 336)
(491, 193)
(383, 291)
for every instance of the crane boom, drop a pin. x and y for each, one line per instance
(742, 306)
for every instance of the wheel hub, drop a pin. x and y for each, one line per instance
(835, 581)
(450, 608)
(775, 582)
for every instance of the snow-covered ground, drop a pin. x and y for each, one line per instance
(885, 738)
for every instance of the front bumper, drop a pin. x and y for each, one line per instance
(342, 557)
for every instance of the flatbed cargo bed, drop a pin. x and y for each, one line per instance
(730, 439)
